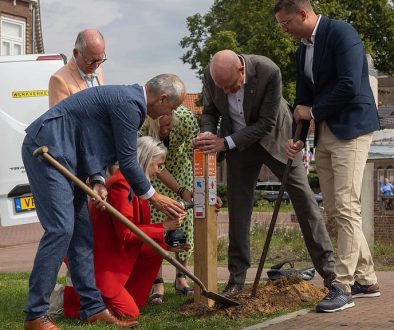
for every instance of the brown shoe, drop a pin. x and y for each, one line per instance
(41, 323)
(106, 317)
(365, 291)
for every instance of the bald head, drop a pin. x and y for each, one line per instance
(90, 39)
(227, 71)
(89, 50)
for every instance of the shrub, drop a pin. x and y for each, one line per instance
(313, 180)
(222, 193)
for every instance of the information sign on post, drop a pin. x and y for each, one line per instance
(205, 225)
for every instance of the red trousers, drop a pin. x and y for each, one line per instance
(133, 295)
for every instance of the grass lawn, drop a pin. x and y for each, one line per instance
(286, 244)
(13, 293)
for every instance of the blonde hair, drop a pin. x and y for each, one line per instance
(153, 125)
(149, 150)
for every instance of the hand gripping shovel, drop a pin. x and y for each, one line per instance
(224, 301)
(274, 216)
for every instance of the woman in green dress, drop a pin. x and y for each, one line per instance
(175, 181)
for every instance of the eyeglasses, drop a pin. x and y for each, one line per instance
(91, 62)
(285, 24)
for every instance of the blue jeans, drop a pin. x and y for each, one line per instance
(62, 210)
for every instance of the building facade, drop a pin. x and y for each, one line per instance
(20, 27)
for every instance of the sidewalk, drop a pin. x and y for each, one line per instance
(18, 246)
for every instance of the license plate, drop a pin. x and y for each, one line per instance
(25, 203)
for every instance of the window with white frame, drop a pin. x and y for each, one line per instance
(13, 36)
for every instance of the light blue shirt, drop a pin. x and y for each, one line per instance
(90, 81)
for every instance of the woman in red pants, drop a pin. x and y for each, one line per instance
(125, 267)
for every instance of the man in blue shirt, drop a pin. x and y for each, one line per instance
(86, 133)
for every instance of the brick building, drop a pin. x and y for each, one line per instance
(20, 27)
(191, 101)
(386, 90)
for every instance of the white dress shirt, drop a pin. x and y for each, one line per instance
(236, 109)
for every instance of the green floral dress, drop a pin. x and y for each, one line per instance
(179, 163)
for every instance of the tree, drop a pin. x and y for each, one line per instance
(249, 26)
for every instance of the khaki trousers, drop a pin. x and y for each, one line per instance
(340, 165)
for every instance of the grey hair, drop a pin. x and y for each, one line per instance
(153, 125)
(80, 42)
(149, 150)
(168, 83)
(291, 6)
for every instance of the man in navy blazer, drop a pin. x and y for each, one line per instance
(333, 89)
(86, 133)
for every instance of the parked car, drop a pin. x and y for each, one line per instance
(268, 187)
(319, 198)
(270, 191)
(272, 197)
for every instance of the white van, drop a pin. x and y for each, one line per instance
(23, 97)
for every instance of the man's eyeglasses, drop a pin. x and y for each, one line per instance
(91, 62)
(285, 24)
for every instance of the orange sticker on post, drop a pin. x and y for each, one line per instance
(199, 166)
(212, 164)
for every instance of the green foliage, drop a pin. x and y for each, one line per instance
(265, 206)
(222, 193)
(249, 27)
(374, 21)
(384, 249)
(313, 180)
(286, 243)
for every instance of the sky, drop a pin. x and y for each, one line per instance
(142, 36)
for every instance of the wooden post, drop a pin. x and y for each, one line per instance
(205, 225)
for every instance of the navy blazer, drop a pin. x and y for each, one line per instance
(341, 94)
(94, 128)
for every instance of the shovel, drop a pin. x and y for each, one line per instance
(278, 201)
(224, 301)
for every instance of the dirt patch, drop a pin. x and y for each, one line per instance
(284, 295)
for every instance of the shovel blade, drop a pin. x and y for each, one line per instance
(224, 301)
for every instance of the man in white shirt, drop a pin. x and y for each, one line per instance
(245, 93)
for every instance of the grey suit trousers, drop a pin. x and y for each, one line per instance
(243, 170)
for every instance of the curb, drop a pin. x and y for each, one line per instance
(279, 319)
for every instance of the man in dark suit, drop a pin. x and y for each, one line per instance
(86, 133)
(245, 91)
(333, 89)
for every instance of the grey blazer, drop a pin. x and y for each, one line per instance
(267, 115)
(93, 129)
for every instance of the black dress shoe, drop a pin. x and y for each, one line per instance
(232, 288)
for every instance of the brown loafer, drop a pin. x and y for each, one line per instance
(41, 323)
(106, 317)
